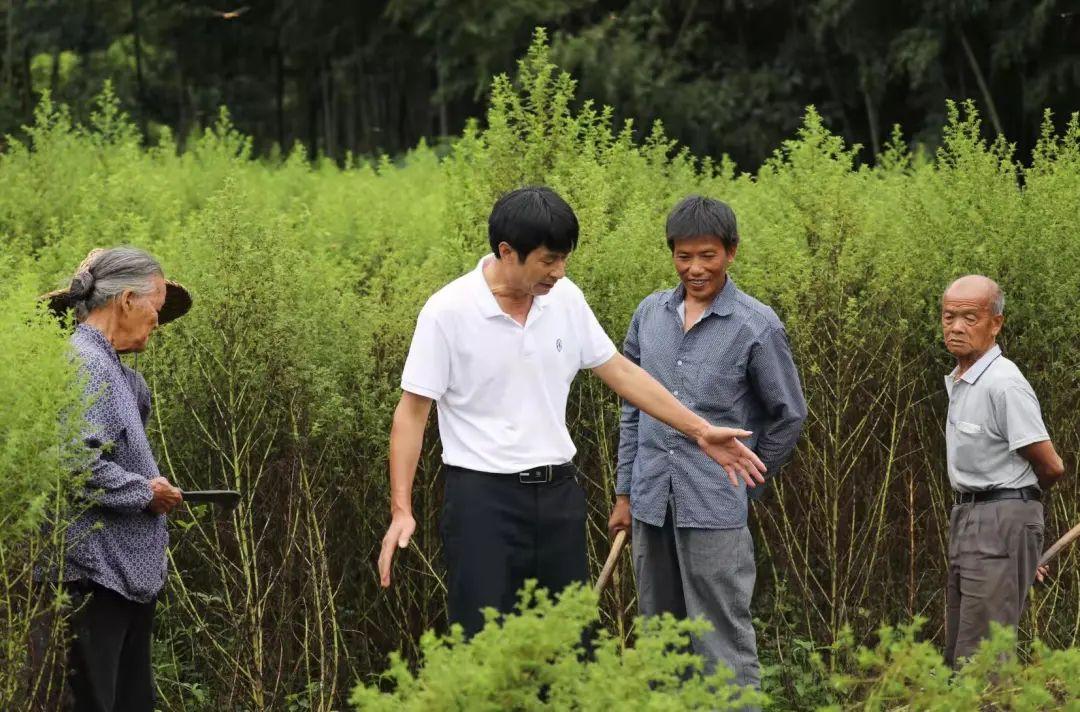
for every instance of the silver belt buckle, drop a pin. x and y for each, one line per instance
(536, 476)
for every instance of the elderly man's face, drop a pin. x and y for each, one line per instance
(138, 317)
(967, 322)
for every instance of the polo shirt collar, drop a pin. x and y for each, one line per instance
(979, 367)
(723, 304)
(489, 306)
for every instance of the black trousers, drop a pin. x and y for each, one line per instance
(498, 532)
(110, 654)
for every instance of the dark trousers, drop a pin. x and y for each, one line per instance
(498, 532)
(110, 652)
(994, 549)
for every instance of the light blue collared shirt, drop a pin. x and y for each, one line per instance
(993, 412)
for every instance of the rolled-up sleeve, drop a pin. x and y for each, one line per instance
(776, 383)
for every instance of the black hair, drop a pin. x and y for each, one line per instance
(697, 215)
(531, 217)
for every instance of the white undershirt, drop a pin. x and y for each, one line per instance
(682, 316)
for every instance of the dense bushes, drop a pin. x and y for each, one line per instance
(536, 658)
(307, 278)
(36, 385)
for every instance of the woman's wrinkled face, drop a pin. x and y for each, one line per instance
(138, 316)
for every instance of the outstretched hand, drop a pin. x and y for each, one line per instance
(738, 461)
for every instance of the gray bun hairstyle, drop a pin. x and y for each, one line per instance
(105, 274)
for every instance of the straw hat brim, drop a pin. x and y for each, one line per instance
(177, 302)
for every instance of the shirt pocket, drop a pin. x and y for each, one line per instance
(969, 428)
(973, 447)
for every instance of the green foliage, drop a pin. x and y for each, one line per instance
(307, 279)
(37, 386)
(536, 659)
(901, 672)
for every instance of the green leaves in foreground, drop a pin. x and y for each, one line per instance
(903, 673)
(535, 659)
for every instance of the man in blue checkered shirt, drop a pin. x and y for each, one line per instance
(725, 355)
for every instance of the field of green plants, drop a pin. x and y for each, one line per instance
(307, 278)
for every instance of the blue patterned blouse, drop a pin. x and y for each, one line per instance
(117, 543)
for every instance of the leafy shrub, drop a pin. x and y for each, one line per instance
(536, 659)
(901, 672)
(37, 385)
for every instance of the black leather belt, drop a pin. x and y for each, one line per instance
(536, 476)
(994, 495)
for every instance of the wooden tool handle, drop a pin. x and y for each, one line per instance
(1060, 544)
(612, 558)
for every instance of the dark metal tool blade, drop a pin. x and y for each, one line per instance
(226, 499)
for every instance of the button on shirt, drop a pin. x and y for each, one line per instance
(126, 553)
(734, 368)
(993, 412)
(500, 387)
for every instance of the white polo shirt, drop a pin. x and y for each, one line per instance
(501, 387)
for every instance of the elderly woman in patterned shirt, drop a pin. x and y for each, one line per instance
(115, 562)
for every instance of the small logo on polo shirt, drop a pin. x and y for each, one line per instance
(558, 345)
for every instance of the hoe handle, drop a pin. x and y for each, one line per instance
(1060, 544)
(609, 565)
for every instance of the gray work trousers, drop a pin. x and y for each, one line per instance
(994, 549)
(702, 573)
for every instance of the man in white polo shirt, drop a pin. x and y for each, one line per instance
(497, 349)
(1000, 460)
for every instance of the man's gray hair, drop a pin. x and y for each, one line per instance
(105, 274)
(997, 300)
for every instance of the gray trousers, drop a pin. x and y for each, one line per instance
(702, 573)
(994, 549)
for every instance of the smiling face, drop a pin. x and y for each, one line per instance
(702, 263)
(968, 324)
(537, 273)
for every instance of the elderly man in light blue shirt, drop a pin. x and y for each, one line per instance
(1000, 461)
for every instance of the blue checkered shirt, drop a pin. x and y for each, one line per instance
(116, 542)
(733, 368)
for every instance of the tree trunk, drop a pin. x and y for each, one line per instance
(279, 91)
(140, 93)
(351, 85)
(9, 47)
(183, 121)
(327, 74)
(54, 73)
(440, 90)
(28, 82)
(981, 81)
(872, 121)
